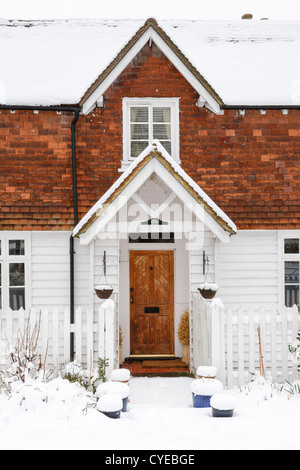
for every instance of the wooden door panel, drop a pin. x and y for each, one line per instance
(152, 307)
(141, 280)
(162, 287)
(142, 330)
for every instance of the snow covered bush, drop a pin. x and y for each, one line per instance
(26, 360)
(75, 373)
(295, 351)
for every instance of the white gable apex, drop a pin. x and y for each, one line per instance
(205, 98)
(131, 181)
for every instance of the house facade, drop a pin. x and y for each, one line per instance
(150, 180)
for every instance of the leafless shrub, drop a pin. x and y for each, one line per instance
(26, 361)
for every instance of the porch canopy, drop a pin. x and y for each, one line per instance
(154, 161)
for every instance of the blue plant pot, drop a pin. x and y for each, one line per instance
(222, 413)
(201, 401)
(125, 403)
(112, 414)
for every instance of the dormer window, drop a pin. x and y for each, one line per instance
(145, 120)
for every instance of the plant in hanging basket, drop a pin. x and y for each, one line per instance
(208, 290)
(104, 291)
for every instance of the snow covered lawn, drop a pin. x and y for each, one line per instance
(160, 417)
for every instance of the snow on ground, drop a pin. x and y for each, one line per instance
(160, 417)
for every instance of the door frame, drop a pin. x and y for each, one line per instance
(172, 298)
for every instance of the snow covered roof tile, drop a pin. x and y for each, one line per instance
(251, 63)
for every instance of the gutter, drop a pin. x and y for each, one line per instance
(226, 106)
(72, 109)
(72, 252)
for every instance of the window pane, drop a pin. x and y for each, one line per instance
(161, 114)
(137, 148)
(291, 296)
(291, 245)
(16, 247)
(17, 274)
(17, 298)
(167, 146)
(292, 272)
(139, 131)
(162, 131)
(139, 114)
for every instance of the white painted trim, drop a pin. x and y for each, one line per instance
(91, 101)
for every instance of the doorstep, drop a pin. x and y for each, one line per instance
(156, 367)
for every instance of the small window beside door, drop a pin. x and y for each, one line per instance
(12, 273)
(291, 271)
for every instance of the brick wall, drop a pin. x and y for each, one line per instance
(36, 171)
(249, 165)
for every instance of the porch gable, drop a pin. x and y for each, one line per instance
(154, 159)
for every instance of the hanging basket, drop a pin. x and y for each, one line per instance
(104, 292)
(208, 290)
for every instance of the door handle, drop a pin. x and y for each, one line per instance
(132, 299)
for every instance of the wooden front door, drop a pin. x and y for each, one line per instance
(152, 303)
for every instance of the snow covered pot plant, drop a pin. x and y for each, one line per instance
(114, 388)
(110, 405)
(120, 375)
(208, 290)
(202, 391)
(206, 372)
(183, 333)
(222, 405)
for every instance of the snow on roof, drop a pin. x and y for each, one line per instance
(54, 62)
(156, 145)
(246, 62)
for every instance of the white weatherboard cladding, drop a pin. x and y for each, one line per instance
(50, 278)
(50, 285)
(248, 269)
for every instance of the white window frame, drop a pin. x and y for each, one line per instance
(283, 257)
(6, 259)
(172, 103)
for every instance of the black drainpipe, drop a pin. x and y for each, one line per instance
(72, 252)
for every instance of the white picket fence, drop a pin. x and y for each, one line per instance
(229, 340)
(94, 335)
